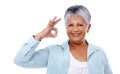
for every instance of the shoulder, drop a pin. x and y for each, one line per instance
(97, 50)
(93, 47)
(57, 47)
(62, 45)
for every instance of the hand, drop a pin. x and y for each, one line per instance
(47, 32)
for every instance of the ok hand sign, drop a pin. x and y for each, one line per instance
(47, 32)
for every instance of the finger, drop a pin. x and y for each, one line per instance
(54, 32)
(55, 22)
(54, 18)
(50, 23)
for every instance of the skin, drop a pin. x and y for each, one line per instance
(47, 32)
(76, 31)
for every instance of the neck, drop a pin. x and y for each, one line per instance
(79, 50)
(78, 46)
(75, 44)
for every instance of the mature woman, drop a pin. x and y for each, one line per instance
(75, 56)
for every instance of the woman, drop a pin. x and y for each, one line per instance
(75, 56)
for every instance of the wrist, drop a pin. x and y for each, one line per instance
(37, 37)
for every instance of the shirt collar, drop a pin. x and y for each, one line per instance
(91, 48)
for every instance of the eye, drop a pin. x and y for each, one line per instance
(70, 24)
(80, 25)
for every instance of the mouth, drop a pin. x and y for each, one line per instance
(75, 34)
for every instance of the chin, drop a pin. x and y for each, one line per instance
(75, 40)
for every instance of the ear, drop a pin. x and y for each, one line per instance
(89, 26)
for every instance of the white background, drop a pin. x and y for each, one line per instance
(20, 19)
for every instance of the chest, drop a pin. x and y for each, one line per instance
(80, 55)
(77, 67)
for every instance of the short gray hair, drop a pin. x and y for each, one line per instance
(78, 10)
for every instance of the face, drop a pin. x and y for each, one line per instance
(76, 29)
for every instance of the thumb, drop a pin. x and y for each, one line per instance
(54, 32)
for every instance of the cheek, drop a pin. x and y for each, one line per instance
(84, 29)
(68, 29)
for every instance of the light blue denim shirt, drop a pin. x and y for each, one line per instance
(56, 58)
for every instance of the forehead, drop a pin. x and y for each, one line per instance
(75, 18)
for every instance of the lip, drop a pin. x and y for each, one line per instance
(75, 34)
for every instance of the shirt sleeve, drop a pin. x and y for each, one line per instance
(29, 58)
(107, 66)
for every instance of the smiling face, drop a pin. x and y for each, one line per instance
(76, 29)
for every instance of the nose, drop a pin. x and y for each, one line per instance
(75, 29)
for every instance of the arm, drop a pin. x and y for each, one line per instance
(28, 57)
(107, 69)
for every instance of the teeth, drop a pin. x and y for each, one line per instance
(76, 34)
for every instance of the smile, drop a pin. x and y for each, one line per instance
(75, 34)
